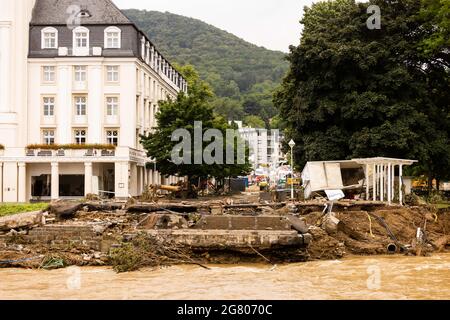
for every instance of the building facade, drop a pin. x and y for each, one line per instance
(265, 146)
(90, 89)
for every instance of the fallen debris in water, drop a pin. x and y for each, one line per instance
(147, 251)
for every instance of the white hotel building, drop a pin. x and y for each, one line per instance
(93, 82)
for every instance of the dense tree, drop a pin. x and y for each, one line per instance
(230, 109)
(254, 122)
(181, 114)
(276, 122)
(235, 69)
(355, 92)
(436, 15)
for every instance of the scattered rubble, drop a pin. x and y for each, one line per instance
(360, 233)
(129, 236)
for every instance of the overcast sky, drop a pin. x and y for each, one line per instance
(273, 24)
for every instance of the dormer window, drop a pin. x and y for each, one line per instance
(81, 38)
(81, 41)
(112, 38)
(84, 13)
(49, 38)
(143, 48)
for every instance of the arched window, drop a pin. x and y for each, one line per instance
(113, 38)
(49, 37)
(81, 41)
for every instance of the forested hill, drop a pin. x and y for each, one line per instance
(242, 74)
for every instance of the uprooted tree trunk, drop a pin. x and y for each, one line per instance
(65, 211)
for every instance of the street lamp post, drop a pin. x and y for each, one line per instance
(292, 145)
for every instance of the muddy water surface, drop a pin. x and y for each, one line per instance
(393, 277)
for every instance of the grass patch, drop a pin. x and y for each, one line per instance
(10, 209)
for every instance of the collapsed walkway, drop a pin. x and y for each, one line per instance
(218, 232)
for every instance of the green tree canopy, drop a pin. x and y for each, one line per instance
(355, 92)
(182, 113)
(436, 15)
(254, 122)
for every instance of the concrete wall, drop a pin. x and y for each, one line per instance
(63, 237)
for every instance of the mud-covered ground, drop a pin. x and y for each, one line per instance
(354, 233)
(361, 233)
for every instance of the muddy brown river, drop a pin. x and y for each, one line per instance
(385, 277)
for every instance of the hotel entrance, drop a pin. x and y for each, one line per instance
(72, 180)
(69, 186)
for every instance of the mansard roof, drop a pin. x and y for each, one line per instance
(61, 12)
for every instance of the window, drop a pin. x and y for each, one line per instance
(80, 136)
(112, 73)
(143, 47)
(49, 74)
(138, 78)
(49, 38)
(80, 73)
(152, 57)
(112, 38)
(48, 137)
(84, 14)
(49, 106)
(112, 137)
(112, 106)
(80, 38)
(147, 55)
(80, 106)
(156, 62)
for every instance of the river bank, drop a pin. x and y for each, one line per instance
(362, 278)
(164, 234)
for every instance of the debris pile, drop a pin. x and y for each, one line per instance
(132, 235)
(147, 251)
(377, 232)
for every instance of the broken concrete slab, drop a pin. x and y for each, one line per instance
(22, 220)
(163, 220)
(230, 222)
(330, 223)
(222, 239)
(216, 210)
(298, 224)
(151, 208)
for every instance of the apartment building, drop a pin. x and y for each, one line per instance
(89, 86)
(265, 146)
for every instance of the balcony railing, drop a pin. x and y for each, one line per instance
(79, 153)
(66, 153)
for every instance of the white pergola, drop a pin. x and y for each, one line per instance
(380, 173)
